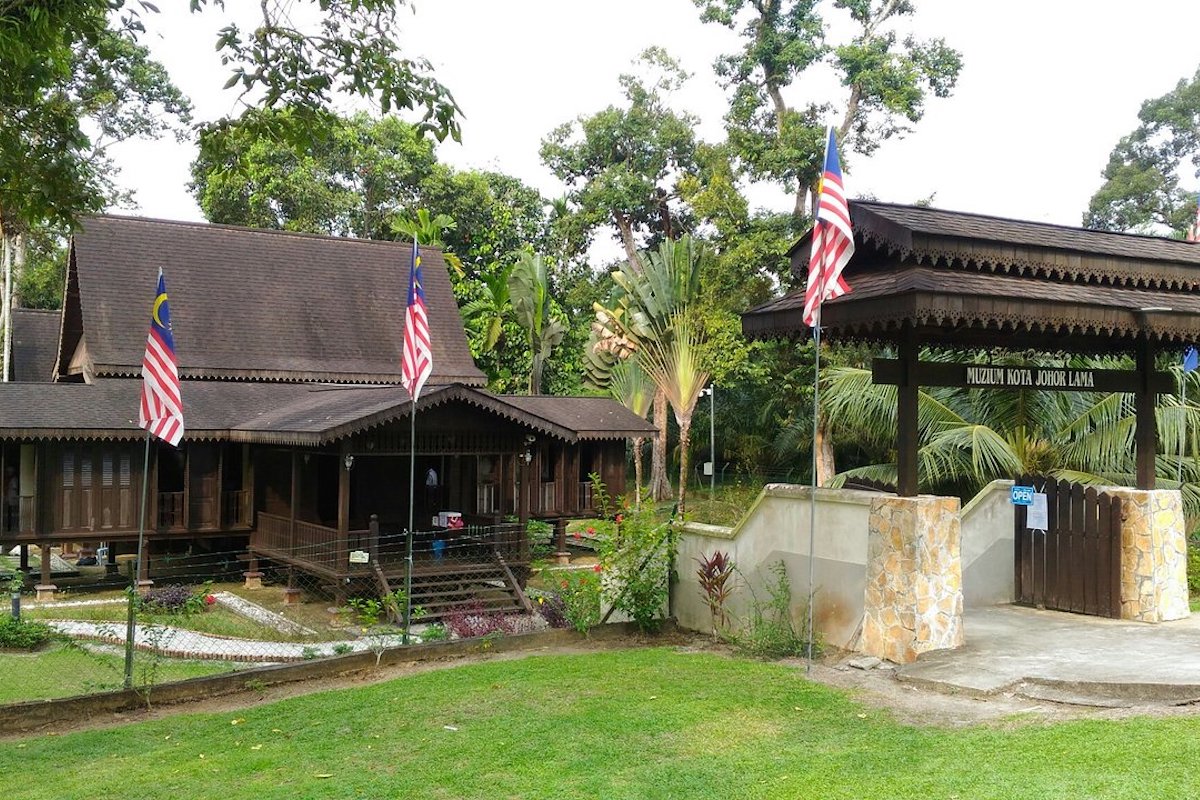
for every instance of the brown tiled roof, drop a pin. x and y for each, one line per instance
(34, 344)
(286, 413)
(996, 244)
(256, 304)
(960, 282)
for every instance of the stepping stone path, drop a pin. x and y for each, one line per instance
(263, 616)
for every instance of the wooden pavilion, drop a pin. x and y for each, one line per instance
(297, 441)
(924, 277)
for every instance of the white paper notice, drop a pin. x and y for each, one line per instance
(1037, 518)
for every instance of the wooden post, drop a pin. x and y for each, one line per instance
(562, 555)
(45, 589)
(248, 483)
(292, 501)
(906, 415)
(219, 489)
(343, 495)
(1145, 433)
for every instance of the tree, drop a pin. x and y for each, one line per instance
(634, 389)
(529, 288)
(351, 180)
(653, 318)
(887, 81)
(623, 164)
(1141, 190)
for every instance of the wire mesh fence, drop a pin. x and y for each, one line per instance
(200, 611)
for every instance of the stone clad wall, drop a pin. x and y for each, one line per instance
(914, 599)
(1153, 555)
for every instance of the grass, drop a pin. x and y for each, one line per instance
(649, 723)
(60, 671)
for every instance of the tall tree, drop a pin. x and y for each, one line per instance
(1141, 190)
(886, 80)
(623, 166)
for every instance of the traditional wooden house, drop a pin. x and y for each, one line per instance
(297, 442)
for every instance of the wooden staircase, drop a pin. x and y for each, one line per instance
(470, 585)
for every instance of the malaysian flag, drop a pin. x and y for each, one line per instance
(418, 360)
(1193, 231)
(832, 239)
(161, 410)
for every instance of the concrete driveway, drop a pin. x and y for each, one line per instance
(1052, 655)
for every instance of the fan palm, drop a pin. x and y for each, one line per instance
(634, 389)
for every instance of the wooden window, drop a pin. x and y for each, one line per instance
(85, 472)
(125, 471)
(68, 470)
(106, 470)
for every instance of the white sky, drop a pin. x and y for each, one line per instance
(1047, 88)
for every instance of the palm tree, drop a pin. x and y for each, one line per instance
(486, 312)
(634, 389)
(970, 437)
(646, 305)
(529, 288)
(428, 229)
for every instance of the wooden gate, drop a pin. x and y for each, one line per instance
(1076, 564)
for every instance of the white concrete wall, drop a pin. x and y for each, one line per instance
(987, 547)
(776, 528)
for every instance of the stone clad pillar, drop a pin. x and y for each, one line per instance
(913, 601)
(1153, 555)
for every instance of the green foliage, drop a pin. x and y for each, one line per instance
(1193, 566)
(636, 561)
(534, 311)
(342, 648)
(579, 592)
(23, 634)
(541, 537)
(771, 630)
(1141, 190)
(887, 78)
(175, 599)
(435, 632)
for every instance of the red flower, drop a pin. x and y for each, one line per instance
(598, 568)
(577, 535)
(562, 584)
(209, 599)
(591, 531)
(619, 519)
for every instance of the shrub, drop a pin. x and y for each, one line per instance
(175, 599)
(579, 591)
(435, 632)
(341, 648)
(771, 631)
(1193, 565)
(22, 634)
(552, 607)
(475, 619)
(714, 574)
(637, 561)
(541, 538)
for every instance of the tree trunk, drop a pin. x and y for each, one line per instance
(685, 440)
(20, 256)
(5, 307)
(626, 230)
(660, 484)
(535, 374)
(637, 472)
(825, 465)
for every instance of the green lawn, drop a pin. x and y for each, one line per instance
(65, 671)
(648, 723)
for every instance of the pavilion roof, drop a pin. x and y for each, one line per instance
(971, 280)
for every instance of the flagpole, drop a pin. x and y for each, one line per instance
(412, 478)
(812, 494)
(130, 624)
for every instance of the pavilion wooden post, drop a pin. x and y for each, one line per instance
(344, 493)
(292, 505)
(1145, 433)
(906, 415)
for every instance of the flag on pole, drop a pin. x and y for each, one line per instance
(1193, 231)
(832, 240)
(417, 363)
(1191, 360)
(161, 410)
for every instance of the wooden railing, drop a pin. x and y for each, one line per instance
(170, 511)
(235, 508)
(315, 544)
(547, 496)
(487, 497)
(586, 496)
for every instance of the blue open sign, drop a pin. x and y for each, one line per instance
(1021, 495)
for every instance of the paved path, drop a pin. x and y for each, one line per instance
(1059, 656)
(183, 643)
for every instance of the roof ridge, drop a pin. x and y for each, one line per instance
(995, 217)
(251, 230)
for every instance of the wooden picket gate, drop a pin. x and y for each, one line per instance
(1076, 564)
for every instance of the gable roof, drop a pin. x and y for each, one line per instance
(288, 413)
(34, 344)
(255, 304)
